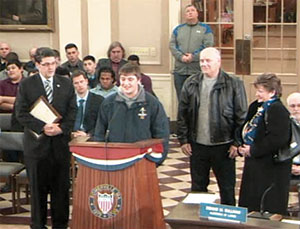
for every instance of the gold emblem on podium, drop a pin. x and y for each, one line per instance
(105, 201)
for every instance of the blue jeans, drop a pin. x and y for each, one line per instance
(178, 82)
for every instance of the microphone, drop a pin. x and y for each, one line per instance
(106, 136)
(262, 201)
(262, 214)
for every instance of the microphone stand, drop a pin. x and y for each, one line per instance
(262, 214)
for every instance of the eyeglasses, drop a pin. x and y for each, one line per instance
(48, 64)
(294, 105)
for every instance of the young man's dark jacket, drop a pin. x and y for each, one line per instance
(228, 108)
(145, 119)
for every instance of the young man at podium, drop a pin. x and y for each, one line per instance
(132, 114)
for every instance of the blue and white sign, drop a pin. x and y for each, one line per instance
(223, 212)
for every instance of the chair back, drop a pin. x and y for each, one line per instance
(11, 141)
(5, 121)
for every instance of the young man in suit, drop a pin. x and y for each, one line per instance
(46, 150)
(88, 105)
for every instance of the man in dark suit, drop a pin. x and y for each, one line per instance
(88, 105)
(46, 150)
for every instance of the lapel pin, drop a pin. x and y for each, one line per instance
(58, 85)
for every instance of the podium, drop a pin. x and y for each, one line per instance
(117, 185)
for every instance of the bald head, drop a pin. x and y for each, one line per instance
(293, 102)
(32, 52)
(210, 62)
(4, 49)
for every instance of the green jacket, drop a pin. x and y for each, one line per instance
(190, 39)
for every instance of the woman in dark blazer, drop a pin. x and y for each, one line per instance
(266, 130)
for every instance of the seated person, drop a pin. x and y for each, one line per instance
(8, 92)
(73, 63)
(293, 103)
(30, 65)
(115, 60)
(33, 72)
(89, 65)
(4, 50)
(9, 86)
(106, 85)
(132, 114)
(145, 80)
(88, 105)
(60, 70)
(9, 57)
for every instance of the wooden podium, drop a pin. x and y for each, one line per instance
(117, 186)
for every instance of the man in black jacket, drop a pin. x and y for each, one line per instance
(88, 105)
(46, 149)
(212, 107)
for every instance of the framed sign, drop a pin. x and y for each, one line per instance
(26, 15)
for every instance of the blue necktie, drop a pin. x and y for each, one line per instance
(79, 115)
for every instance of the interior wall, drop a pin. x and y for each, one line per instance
(143, 27)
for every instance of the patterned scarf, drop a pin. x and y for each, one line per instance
(250, 128)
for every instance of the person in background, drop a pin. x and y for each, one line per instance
(187, 41)
(8, 92)
(89, 65)
(293, 103)
(73, 63)
(30, 64)
(33, 72)
(132, 114)
(265, 131)
(9, 57)
(9, 86)
(212, 107)
(4, 50)
(46, 150)
(59, 69)
(115, 60)
(106, 85)
(88, 105)
(145, 80)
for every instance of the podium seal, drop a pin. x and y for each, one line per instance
(105, 201)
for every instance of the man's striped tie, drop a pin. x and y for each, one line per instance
(49, 91)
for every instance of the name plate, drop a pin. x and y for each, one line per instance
(223, 212)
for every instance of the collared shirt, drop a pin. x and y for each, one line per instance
(78, 98)
(104, 93)
(44, 80)
(84, 98)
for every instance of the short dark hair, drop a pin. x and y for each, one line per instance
(134, 58)
(114, 45)
(107, 70)
(42, 53)
(89, 57)
(77, 73)
(33, 70)
(130, 68)
(70, 45)
(270, 82)
(14, 61)
(57, 53)
(11, 56)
